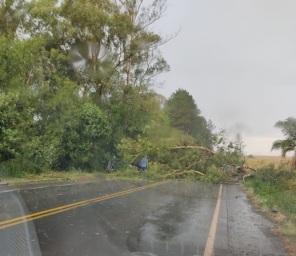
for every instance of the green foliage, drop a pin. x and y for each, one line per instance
(20, 62)
(16, 118)
(160, 147)
(131, 111)
(216, 175)
(74, 81)
(75, 91)
(228, 155)
(182, 111)
(11, 14)
(155, 141)
(85, 140)
(228, 158)
(185, 116)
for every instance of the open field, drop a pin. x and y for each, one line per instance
(260, 161)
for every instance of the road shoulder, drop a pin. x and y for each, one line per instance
(277, 218)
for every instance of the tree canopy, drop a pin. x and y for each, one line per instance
(75, 79)
(76, 88)
(185, 116)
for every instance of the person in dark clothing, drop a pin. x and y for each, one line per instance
(142, 164)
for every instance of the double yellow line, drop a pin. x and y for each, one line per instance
(53, 211)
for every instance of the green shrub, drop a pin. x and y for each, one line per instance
(85, 140)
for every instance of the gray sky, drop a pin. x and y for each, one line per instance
(238, 59)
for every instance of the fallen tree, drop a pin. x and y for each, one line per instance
(177, 173)
(248, 172)
(194, 147)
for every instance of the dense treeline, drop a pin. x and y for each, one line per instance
(75, 86)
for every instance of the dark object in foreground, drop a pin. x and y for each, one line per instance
(142, 164)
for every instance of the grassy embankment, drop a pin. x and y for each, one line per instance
(49, 177)
(274, 188)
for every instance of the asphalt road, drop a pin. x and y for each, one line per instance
(169, 219)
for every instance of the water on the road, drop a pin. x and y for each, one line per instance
(171, 219)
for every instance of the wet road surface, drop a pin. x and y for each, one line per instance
(165, 220)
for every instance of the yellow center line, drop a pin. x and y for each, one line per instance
(209, 248)
(60, 208)
(67, 207)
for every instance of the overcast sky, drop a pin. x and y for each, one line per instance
(238, 60)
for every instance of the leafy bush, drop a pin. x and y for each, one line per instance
(85, 140)
(16, 118)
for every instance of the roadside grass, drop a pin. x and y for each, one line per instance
(155, 173)
(288, 231)
(275, 190)
(274, 196)
(49, 176)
